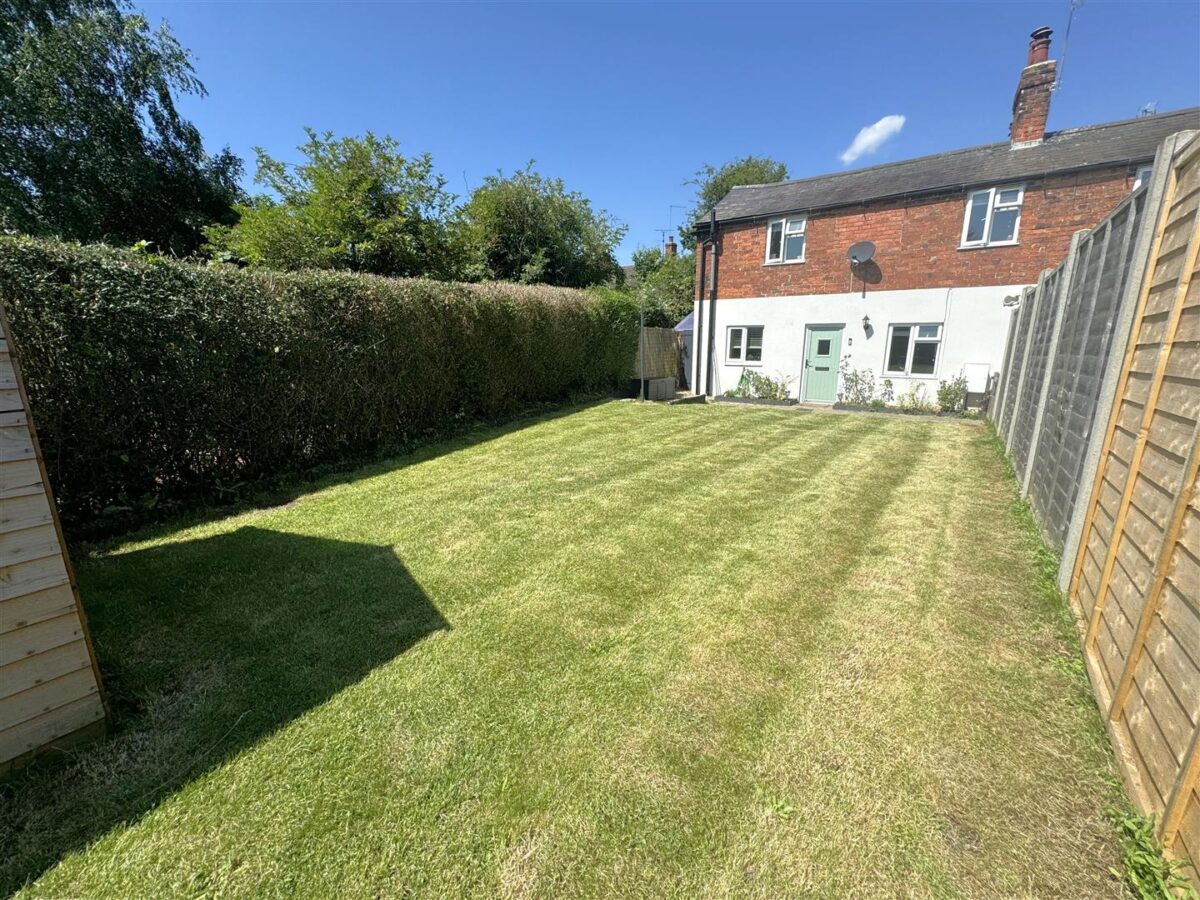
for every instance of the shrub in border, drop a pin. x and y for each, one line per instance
(153, 380)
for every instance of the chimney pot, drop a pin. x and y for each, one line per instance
(1039, 45)
(671, 249)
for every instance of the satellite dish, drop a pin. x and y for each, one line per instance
(859, 255)
(860, 252)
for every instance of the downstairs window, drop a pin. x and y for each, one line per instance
(913, 349)
(744, 344)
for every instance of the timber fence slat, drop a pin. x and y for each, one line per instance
(1182, 792)
(49, 683)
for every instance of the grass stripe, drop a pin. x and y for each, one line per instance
(632, 650)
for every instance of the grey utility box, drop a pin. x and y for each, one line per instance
(657, 388)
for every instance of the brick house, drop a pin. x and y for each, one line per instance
(955, 234)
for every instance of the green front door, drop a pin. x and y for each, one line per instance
(821, 356)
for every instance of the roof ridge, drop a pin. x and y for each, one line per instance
(1163, 115)
(898, 162)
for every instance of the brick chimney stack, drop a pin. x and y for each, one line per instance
(1031, 105)
(671, 249)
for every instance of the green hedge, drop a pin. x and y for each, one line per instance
(153, 380)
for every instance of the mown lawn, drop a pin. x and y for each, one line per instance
(632, 650)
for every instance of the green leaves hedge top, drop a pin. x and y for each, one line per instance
(154, 380)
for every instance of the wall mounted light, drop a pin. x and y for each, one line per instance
(866, 323)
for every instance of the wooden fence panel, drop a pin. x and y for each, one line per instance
(996, 406)
(49, 684)
(660, 349)
(1136, 576)
(1096, 287)
(1098, 407)
(1016, 363)
(1042, 336)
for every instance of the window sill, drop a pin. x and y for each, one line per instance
(744, 365)
(783, 262)
(903, 375)
(989, 246)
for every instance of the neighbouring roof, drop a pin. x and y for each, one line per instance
(685, 324)
(1131, 141)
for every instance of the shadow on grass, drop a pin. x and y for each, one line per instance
(206, 647)
(287, 486)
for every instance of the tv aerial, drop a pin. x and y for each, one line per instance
(860, 254)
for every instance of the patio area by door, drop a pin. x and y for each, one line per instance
(822, 350)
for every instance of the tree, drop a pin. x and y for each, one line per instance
(354, 203)
(712, 184)
(531, 229)
(92, 146)
(665, 285)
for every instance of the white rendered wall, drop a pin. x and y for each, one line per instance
(974, 325)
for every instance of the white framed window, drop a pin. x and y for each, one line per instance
(913, 350)
(744, 344)
(1142, 177)
(785, 240)
(993, 216)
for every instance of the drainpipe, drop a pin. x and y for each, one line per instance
(712, 299)
(698, 324)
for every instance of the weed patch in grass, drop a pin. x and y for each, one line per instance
(1143, 868)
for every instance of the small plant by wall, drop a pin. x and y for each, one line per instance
(760, 387)
(1146, 873)
(860, 390)
(858, 385)
(914, 400)
(952, 394)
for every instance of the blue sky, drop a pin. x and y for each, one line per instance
(625, 101)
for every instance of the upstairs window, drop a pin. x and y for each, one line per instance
(785, 240)
(913, 349)
(993, 216)
(1143, 176)
(745, 344)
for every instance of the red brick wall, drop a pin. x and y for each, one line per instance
(917, 241)
(1031, 106)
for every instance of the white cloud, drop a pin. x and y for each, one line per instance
(872, 138)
